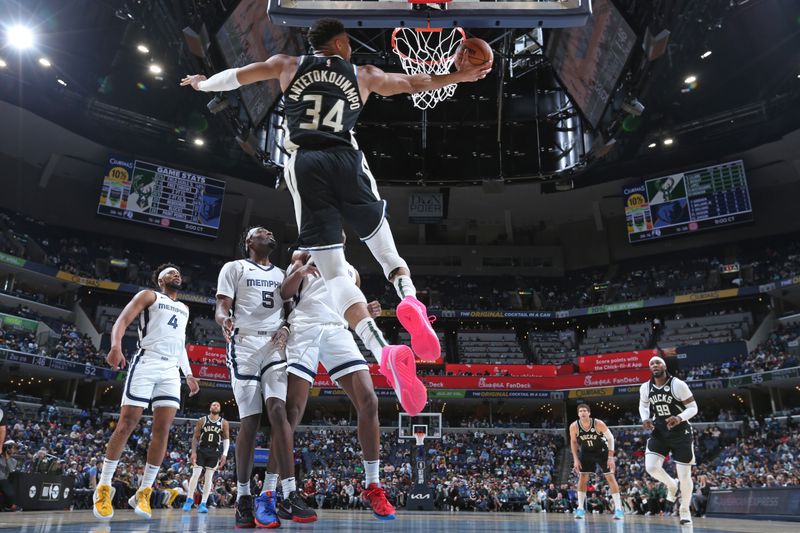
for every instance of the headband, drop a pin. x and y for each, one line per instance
(252, 232)
(167, 271)
(656, 358)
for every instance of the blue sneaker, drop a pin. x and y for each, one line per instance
(619, 514)
(202, 508)
(265, 513)
(188, 504)
(579, 514)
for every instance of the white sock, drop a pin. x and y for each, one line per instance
(686, 484)
(270, 482)
(581, 499)
(242, 489)
(288, 486)
(207, 484)
(654, 465)
(371, 469)
(372, 337)
(149, 477)
(196, 471)
(404, 286)
(617, 501)
(109, 467)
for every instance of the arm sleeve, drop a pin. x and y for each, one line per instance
(689, 412)
(609, 438)
(681, 390)
(644, 402)
(221, 81)
(226, 444)
(228, 279)
(183, 361)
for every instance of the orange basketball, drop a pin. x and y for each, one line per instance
(478, 51)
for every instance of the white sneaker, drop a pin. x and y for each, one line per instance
(672, 495)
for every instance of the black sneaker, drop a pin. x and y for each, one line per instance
(294, 508)
(244, 513)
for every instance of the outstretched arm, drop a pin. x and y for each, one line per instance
(274, 68)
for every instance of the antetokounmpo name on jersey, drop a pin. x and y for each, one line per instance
(321, 76)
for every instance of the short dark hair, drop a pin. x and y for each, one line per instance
(159, 268)
(323, 30)
(586, 405)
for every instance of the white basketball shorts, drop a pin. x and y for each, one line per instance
(153, 380)
(258, 372)
(332, 345)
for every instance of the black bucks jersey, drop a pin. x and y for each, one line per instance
(591, 441)
(322, 104)
(667, 401)
(211, 434)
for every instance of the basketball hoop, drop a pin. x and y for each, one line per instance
(419, 436)
(428, 51)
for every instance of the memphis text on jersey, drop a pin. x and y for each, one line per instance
(173, 309)
(350, 91)
(268, 283)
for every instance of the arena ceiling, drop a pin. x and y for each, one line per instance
(746, 92)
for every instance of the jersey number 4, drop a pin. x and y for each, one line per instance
(332, 119)
(173, 322)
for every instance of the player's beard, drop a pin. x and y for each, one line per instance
(265, 248)
(173, 286)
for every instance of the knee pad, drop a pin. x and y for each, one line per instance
(344, 293)
(331, 263)
(382, 246)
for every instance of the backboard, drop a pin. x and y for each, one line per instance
(526, 14)
(431, 422)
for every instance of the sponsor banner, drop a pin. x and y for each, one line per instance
(12, 260)
(42, 492)
(613, 308)
(537, 371)
(702, 296)
(778, 503)
(446, 394)
(576, 381)
(425, 207)
(690, 356)
(261, 457)
(488, 394)
(615, 361)
(591, 393)
(762, 377)
(207, 355)
(88, 282)
(211, 373)
(18, 324)
(87, 370)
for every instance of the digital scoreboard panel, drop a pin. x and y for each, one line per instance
(161, 196)
(706, 198)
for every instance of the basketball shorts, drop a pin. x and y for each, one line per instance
(207, 457)
(332, 345)
(258, 372)
(590, 462)
(678, 442)
(327, 186)
(153, 381)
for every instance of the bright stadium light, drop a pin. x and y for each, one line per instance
(199, 142)
(690, 79)
(20, 37)
(143, 49)
(3, 63)
(706, 54)
(155, 69)
(651, 145)
(43, 61)
(668, 141)
(61, 82)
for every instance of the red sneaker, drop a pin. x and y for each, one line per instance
(413, 315)
(376, 497)
(400, 369)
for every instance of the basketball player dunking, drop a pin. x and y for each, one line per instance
(153, 380)
(592, 446)
(210, 432)
(320, 335)
(250, 311)
(666, 404)
(329, 178)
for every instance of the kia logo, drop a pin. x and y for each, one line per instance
(420, 496)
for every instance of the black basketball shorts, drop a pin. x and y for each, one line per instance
(328, 186)
(590, 462)
(207, 458)
(677, 442)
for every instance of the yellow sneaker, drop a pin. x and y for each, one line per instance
(141, 502)
(102, 507)
(173, 493)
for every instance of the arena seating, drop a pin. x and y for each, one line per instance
(491, 347)
(707, 329)
(552, 347)
(624, 338)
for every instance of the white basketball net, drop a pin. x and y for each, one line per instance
(426, 51)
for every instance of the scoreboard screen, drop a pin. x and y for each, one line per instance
(701, 199)
(161, 196)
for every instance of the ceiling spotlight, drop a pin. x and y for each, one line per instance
(705, 54)
(651, 145)
(143, 49)
(199, 142)
(20, 37)
(690, 79)
(156, 69)
(61, 82)
(668, 141)
(43, 61)
(3, 64)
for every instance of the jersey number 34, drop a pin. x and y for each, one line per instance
(332, 119)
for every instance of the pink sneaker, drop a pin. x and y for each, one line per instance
(413, 315)
(399, 367)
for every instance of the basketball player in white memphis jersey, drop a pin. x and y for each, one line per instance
(319, 334)
(250, 311)
(153, 380)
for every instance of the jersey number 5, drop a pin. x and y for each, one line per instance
(332, 119)
(267, 299)
(173, 322)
